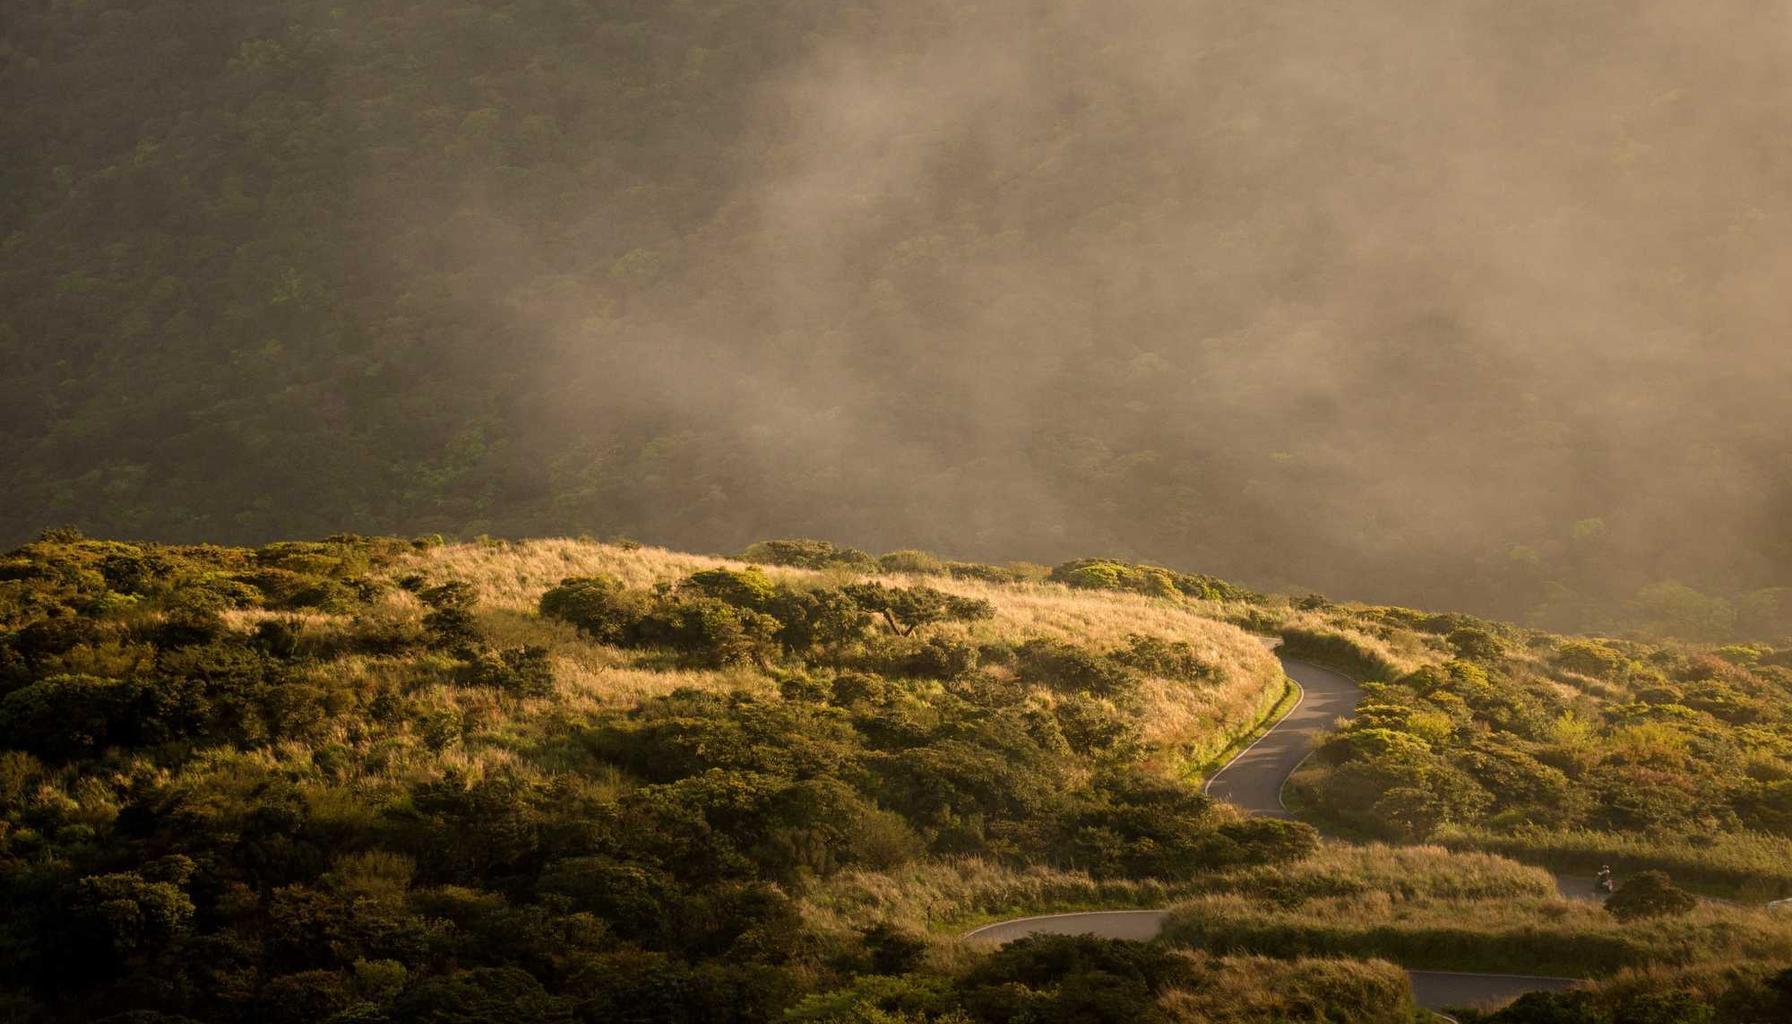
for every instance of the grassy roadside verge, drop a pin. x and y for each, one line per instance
(1749, 867)
(1202, 767)
(952, 896)
(1524, 936)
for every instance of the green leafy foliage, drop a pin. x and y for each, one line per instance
(1107, 574)
(598, 605)
(722, 617)
(809, 554)
(1504, 732)
(906, 609)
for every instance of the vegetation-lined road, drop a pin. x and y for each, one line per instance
(1253, 781)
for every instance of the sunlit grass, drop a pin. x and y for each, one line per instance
(1426, 907)
(1183, 721)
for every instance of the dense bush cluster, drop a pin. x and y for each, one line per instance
(1107, 574)
(808, 554)
(1512, 731)
(723, 617)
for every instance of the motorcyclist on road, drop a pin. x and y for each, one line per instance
(1604, 880)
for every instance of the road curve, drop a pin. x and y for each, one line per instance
(1435, 990)
(1137, 925)
(1253, 781)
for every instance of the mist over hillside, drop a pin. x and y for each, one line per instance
(1474, 304)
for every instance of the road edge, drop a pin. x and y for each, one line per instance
(1281, 709)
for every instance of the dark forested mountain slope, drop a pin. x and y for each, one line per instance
(1478, 307)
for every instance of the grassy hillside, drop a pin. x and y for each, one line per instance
(371, 777)
(383, 780)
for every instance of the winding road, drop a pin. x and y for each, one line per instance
(1254, 780)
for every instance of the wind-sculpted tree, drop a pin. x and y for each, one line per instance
(905, 610)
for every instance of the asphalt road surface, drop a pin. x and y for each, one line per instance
(1253, 780)
(1435, 990)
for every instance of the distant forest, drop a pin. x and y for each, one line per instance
(1434, 309)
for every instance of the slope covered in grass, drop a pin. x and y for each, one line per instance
(379, 778)
(383, 780)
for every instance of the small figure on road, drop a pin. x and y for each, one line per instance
(1603, 881)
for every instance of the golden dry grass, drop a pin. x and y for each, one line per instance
(1247, 988)
(1402, 650)
(1428, 907)
(954, 895)
(514, 574)
(1405, 872)
(510, 577)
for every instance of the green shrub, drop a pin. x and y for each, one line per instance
(68, 716)
(688, 732)
(936, 657)
(136, 571)
(486, 995)
(1073, 669)
(115, 916)
(1589, 658)
(821, 618)
(744, 588)
(1155, 581)
(1014, 572)
(1338, 651)
(1649, 894)
(1476, 643)
(910, 560)
(1073, 978)
(1170, 659)
(519, 671)
(327, 595)
(707, 632)
(600, 606)
(891, 949)
(631, 897)
(809, 554)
